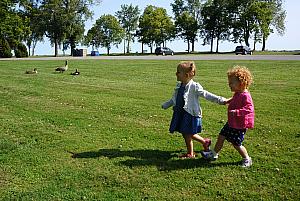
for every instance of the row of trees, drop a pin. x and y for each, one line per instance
(62, 21)
(29, 21)
(212, 21)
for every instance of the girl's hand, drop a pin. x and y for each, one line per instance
(227, 101)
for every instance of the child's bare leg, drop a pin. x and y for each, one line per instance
(242, 150)
(204, 141)
(198, 138)
(219, 144)
(189, 144)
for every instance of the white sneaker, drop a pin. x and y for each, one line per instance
(209, 155)
(247, 162)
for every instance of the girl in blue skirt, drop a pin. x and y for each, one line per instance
(187, 113)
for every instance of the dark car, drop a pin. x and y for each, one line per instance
(242, 50)
(164, 51)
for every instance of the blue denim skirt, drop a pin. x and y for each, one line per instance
(185, 123)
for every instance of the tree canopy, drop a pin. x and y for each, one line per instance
(63, 21)
(129, 18)
(106, 32)
(155, 27)
(187, 20)
(14, 26)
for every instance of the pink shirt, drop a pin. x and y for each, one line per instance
(243, 117)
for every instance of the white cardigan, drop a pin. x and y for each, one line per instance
(192, 92)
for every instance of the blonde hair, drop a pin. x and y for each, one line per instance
(242, 74)
(188, 67)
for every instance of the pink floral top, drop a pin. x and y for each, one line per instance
(243, 115)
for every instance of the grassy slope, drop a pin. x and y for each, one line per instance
(103, 136)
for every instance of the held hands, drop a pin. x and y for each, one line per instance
(227, 100)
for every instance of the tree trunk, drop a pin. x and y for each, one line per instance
(124, 46)
(72, 44)
(211, 44)
(254, 42)
(193, 45)
(55, 47)
(247, 39)
(29, 43)
(217, 49)
(151, 46)
(32, 50)
(34, 43)
(263, 44)
(128, 45)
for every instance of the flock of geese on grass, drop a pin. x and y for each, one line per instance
(60, 69)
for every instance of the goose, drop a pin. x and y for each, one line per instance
(62, 68)
(76, 72)
(34, 71)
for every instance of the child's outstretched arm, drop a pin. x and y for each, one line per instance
(210, 96)
(167, 104)
(171, 102)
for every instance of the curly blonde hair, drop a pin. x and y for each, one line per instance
(242, 74)
(188, 67)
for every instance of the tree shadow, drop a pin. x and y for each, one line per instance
(163, 160)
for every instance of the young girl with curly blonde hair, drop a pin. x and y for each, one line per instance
(240, 115)
(187, 113)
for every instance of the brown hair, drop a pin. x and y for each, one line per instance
(188, 67)
(242, 74)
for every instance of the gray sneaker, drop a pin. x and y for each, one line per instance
(247, 162)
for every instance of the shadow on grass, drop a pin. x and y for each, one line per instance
(163, 160)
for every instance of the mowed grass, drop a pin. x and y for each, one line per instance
(103, 135)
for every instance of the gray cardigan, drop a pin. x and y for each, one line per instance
(192, 92)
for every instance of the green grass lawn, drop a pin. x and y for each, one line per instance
(103, 135)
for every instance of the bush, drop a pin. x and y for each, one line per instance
(21, 51)
(5, 50)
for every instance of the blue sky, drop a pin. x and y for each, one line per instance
(290, 41)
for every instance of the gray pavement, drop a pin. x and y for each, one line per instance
(175, 57)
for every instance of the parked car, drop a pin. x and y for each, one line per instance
(242, 50)
(164, 51)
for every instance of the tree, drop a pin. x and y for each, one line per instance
(270, 14)
(105, 33)
(63, 20)
(244, 22)
(187, 20)
(13, 25)
(5, 50)
(32, 12)
(216, 22)
(278, 20)
(78, 13)
(187, 28)
(128, 17)
(256, 17)
(263, 16)
(155, 27)
(92, 38)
